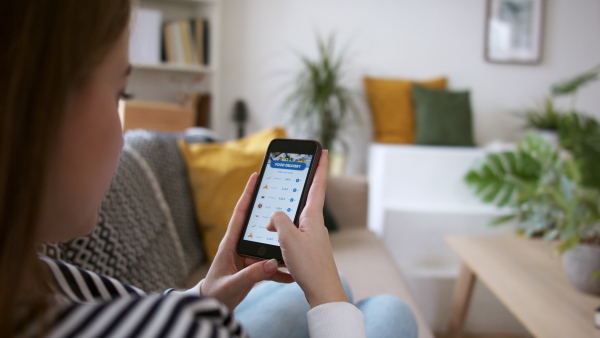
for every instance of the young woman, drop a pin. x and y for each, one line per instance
(63, 69)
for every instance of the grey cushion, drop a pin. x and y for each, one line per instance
(135, 240)
(161, 152)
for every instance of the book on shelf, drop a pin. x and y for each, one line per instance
(198, 29)
(206, 42)
(186, 42)
(144, 42)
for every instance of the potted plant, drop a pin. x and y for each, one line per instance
(553, 190)
(572, 86)
(545, 119)
(321, 103)
(543, 189)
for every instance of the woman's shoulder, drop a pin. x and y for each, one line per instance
(80, 285)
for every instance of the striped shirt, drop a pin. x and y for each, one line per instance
(92, 305)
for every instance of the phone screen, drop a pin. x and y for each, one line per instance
(280, 189)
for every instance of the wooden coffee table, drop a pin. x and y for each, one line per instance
(528, 279)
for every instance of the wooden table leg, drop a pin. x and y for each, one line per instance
(461, 298)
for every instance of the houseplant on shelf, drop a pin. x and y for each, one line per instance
(321, 104)
(553, 189)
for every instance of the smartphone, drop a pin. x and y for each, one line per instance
(285, 178)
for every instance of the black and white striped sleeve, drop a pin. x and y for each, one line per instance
(171, 315)
(83, 285)
(104, 307)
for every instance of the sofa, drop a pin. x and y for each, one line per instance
(147, 233)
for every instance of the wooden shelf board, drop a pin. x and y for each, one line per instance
(173, 67)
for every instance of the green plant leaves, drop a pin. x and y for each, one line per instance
(542, 185)
(546, 117)
(538, 148)
(551, 191)
(500, 176)
(319, 100)
(572, 85)
(502, 219)
(581, 136)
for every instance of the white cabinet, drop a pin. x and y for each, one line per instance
(417, 196)
(167, 82)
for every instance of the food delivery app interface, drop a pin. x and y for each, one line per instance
(279, 190)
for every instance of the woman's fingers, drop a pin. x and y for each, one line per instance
(241, 209)
(282, 277)
(316, 195)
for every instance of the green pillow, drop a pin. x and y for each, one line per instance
(443, 117)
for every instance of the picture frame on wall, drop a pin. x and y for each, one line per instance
(514, 31)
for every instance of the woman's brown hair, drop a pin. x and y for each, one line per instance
(48, 48)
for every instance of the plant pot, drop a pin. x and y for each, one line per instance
(579, 265)
(550, 136)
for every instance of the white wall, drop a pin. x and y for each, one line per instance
(400, 38)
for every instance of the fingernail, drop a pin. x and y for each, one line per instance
(271, 266)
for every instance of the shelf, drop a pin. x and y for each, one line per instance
(156, 80)
(173, 67)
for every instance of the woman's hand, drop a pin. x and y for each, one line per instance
(232, 276)
(306, 250)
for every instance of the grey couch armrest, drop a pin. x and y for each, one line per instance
(347, 198)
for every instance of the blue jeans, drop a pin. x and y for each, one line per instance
(279, 310)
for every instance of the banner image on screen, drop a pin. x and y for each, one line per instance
(279, 190)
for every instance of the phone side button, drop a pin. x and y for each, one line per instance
(262, 250)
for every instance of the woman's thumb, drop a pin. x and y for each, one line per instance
(281, 223)
(255, 273)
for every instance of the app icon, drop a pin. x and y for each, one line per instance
(291, 200)
(269, 177)
(256, 215)
(295, 190)
(254, 226)
(260, 206)
(250, 236)
(262, 196)
(266, 187)
(289, 209)
(297, 180)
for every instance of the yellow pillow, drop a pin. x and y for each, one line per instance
(218, 173)
(392, 107)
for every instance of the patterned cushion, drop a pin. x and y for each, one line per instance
(135, 241)
(162, 154)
